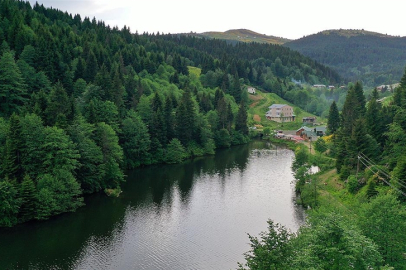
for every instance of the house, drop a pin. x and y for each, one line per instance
(319, 86)
(251, 90)
(311, 133)
(280, 113)
(309, 119)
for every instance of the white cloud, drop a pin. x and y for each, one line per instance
(286, 18)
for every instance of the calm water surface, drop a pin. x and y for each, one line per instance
(188, 216)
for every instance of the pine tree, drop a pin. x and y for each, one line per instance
(236, 89)
(374, 122)
(58, 104)
(28, 200)
(12, 86)
(12, 165)
(241, 120)
(91, 67)
(359, 93)
(351, 111)
(169, 118)
(333, 121)
(185, 118)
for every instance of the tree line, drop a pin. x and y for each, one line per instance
(82, 102)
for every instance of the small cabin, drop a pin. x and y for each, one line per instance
(251, 90)
(309, 119)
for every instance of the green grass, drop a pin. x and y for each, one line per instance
(264, 100)
(195, 70)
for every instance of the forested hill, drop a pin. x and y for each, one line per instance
(357, 54)
(244, 35)
(80, 102)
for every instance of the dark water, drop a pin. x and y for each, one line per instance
(189, 216)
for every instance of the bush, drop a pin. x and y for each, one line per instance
(175, 152)
(352, 184)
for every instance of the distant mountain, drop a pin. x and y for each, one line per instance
(371, 57)
(244, 35)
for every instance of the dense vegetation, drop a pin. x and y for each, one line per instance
(369, 57)
(81, 102)
(360, 223)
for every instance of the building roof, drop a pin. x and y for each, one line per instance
(321, 128)
(277, 106)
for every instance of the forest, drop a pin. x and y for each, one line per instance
(358, 222)
(357, 55)
(81, 102)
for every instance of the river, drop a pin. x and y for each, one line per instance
(194, 215)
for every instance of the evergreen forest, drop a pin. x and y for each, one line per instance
(357, 55)
(81, 102)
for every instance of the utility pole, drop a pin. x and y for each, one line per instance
(310, 145)
(357, 166)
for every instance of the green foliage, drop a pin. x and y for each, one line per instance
(333, 121)
(320, 145)
(29, 201)
(12, 87)
(383, 221)
(399, 176)
(60, 152)
(370, 57)
(371, 188)
(331, 242)
(58, 192)
(175, 152)
(301, 158)
(90, 169)
(241, 120)
(136, 141)
(352, 184)
(9, 204)
(106, 138)
(272, 250)
(222, 138)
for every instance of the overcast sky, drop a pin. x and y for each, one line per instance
(283, 18)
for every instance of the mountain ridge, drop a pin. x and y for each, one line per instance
(243, 35)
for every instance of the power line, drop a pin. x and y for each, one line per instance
(363, 160)
(401, 183)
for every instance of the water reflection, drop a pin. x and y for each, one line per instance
(187, 216)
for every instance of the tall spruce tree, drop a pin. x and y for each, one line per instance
(12, 87)
(241, 120)
(333, 121)
(12, 163)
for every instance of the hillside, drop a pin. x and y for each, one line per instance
(244, 35)
(258, 107)
(80, 102)
(371, 57)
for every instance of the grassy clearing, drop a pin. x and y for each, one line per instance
(259, 106)
(195, 70)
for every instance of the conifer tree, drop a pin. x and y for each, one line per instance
(241, 120)
(333, 121)
(12, 166)
(185, 118)
(91, 67)
(58, 104)
(12, 86)
(28, 199)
